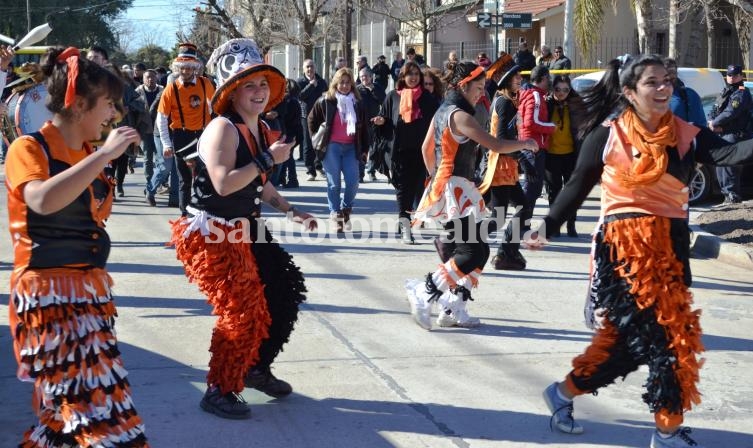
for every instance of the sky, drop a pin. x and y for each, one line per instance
(159, 20)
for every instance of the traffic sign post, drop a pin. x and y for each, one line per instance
(505, 20)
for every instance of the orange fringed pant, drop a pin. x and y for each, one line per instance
(639, 287)
(224, 268)
(62, 322)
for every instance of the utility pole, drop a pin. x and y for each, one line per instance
(567, 43)
(496, 29)
(28, 16)
(348, 34)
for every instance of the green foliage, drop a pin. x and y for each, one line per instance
(588, 17)
(79, 23)
(153, 56)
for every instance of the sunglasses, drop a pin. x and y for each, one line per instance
(562, 89)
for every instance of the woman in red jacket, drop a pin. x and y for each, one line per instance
(533, 122)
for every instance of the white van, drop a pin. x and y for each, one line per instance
(706, 81)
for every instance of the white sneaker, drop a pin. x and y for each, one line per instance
(418, 298)
(679, 439)
(458, 319)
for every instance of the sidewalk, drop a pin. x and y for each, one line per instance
(705, 244)
(365, 375)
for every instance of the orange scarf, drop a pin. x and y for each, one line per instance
(409, 109)
(652, 161)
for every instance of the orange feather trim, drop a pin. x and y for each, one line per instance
(643, 247)
(226, 272)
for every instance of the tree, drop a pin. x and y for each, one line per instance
(588, 18)
(152, 55)
(74, 22)
(422, 16)
(296, 22)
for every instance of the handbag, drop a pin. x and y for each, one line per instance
(316, 139)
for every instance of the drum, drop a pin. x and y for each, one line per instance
(28, 109)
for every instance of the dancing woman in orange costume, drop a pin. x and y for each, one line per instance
(639, 300)
(251, 282)
(61, 307)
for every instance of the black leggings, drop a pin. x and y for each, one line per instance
(408, 177)
(501, 197)
(559, 168)
(471, 249)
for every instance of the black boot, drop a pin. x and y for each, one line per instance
(571, 232)
(261, 379)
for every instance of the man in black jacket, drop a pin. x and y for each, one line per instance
(312, 87)
(381, 73)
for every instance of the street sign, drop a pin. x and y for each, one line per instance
(512, 20)
(484, 19)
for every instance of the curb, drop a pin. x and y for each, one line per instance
(711, 246)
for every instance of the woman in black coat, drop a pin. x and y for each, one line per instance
(405, 119)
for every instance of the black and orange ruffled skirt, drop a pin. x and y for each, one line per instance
(62, 326)
(640, 290)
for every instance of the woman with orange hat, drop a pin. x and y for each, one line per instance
(250, 281)
(62, 312)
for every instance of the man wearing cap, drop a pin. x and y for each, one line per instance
(730, 118)
(361, 63)
(524, 58)
(381, 73)
(182, 115)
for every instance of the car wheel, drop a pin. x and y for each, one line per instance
(700, 184)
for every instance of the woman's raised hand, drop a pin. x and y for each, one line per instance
(118, 141)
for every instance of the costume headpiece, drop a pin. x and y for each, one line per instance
(233, 62)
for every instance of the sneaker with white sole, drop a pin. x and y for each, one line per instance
(678, 439)
(458, 318)
(420, 307)
(562, 411)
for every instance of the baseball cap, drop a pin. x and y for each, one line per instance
(733, 70)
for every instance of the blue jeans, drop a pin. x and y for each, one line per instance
(149, 148)
(163, 167)
(533, 180)
(341, 158)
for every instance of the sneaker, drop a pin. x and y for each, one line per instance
(230, 405)
(459, 318)
(678, 439)
(372, 177)
(311, 177)
(163, 189)
(150, 199)
(562, 411)
(263, 380)
(419, 304)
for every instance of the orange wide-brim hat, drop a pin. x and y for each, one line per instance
(235, 61)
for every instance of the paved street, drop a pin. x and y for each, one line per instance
(365, 375)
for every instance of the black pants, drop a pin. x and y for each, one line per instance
(501, 197)
(309, 153)
(559, 168)
(471, 249)
(181, 138)
(408, 176)
(120, 168)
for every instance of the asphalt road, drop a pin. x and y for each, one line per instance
(365, 375)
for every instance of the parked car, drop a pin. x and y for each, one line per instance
(708, 83)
